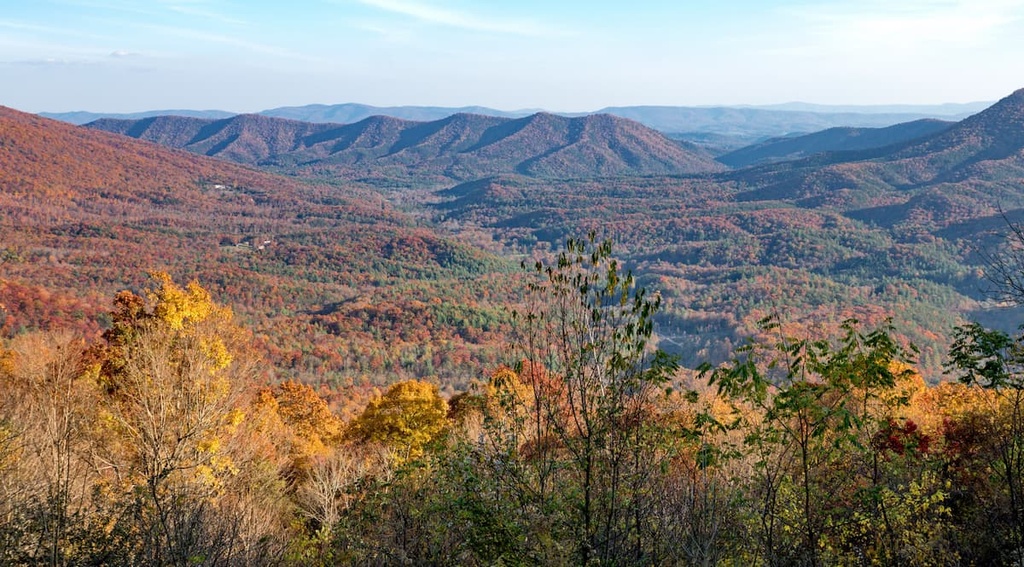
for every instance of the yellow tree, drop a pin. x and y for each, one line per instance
(173, 371)
(314, 428)
(406, 418)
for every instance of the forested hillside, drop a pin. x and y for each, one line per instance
(831, 140)
(459, 147)
(338, 287)
(866, 234)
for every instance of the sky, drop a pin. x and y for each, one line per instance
(559, 55)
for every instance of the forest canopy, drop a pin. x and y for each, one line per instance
(167, 442)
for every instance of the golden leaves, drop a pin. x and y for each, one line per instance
(407, 417)
(179, 306)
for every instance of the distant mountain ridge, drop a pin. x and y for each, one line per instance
(969, 170)
(81, 117)
(949, 110)
(729, 127)
(348, 113)
(753, 124)
(459, 147)
(831, 140)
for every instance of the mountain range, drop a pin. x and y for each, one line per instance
(460, 147)
(979, 159)
(845, 223)
(719, 127)
(949, 110)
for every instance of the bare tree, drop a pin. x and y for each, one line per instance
(55, 409)
(325, 492)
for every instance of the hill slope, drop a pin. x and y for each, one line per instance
(460, 147)
(335, 284)
(973, 167)
(831, 140)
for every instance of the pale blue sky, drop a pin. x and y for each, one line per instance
(248, 55)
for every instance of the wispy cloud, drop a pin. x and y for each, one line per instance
(458, 19)
(53, 62)
(108, 6)
(390, 33)
(196, 9)
(33, 44)
(231, 41)
(909, 23)
(37, 29)
(160, 9)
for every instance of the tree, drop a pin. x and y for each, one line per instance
(807, 407)
(406, 419)
(51, 422)
(590, 439)
(304, 423)
(1004, 267)
(994, 361)
(174, 369)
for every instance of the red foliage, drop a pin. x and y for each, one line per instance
(902, 439)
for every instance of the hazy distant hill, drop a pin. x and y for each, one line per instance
(831, 140)
(715, 127)
(752, 124)
(81, 117)
(949, 110)
(460, 147)
(349, 113)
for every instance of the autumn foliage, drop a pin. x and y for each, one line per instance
(166, 441)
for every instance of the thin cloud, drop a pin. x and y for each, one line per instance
(190, 9)
(232, 42)
(47, 30)
(456, 19)
(390, 34)
(159, 9)
(910, 24)
(52, 62)
(125, 8)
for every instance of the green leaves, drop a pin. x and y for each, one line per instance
(986, 357)
(807, 406)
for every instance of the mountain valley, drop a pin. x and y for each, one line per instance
(874, 224)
